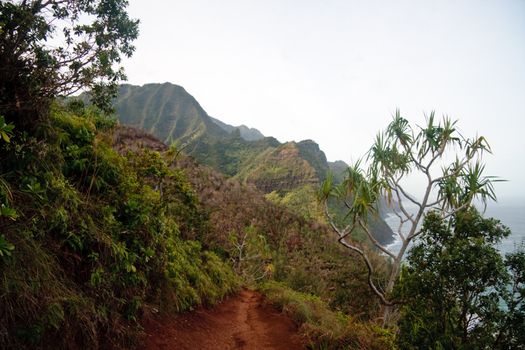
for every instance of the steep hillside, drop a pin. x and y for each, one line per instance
(265, 240)
(101, 225)
(280, 169)
(171, 114)
(90, 239)
(338, 169)
(174, 116)
(291, 172)
(167, 111)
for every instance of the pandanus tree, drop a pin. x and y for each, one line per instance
(452, 169)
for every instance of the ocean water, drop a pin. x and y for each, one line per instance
(510, 211)
(393, 221)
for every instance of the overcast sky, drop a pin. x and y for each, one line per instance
(335, 71)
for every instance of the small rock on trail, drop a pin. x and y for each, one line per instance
(240, 322)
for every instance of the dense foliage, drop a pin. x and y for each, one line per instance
(265, 241)
(51, 48)
(95, 232)
(89, 238)
(458, 291)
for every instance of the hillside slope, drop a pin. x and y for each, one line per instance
(290, 171)
(90, 238)
(297, 250)
(165, 110)
(173, 115)
(247, 133)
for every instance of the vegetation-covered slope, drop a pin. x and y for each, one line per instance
(171, 114)
(278, 243)
(279, 169)
(265, 241)
(167, 111)
(89, 238)
(290, 172)
(95, 232)
(100, 225)
(247, 133)
(174, 116)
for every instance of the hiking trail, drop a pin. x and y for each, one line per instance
(242, 322)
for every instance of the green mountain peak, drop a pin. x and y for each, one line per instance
(169, 112)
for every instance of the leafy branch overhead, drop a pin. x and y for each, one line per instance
(398, 155)
(57, 47)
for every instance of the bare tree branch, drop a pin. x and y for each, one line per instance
(374, 240)
(406, 195)
(363, 255)
(402, 207)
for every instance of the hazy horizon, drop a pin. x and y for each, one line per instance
(335, 72)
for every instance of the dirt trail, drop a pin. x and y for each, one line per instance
(240, 322)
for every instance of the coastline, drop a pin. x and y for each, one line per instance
(511, 213)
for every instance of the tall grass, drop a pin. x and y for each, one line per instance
(322, 327)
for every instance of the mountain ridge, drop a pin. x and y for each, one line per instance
(170, 113)
(247, 133)
(289, 173)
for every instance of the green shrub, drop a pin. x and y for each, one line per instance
(322, 327)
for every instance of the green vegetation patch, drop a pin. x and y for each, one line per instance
(88, 236)
(322, 327)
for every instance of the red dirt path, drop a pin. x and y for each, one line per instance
(240, 322)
